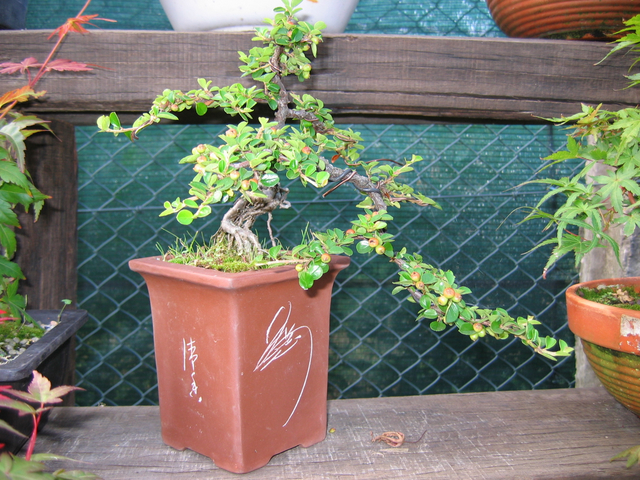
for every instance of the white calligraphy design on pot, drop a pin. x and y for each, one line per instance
(282, 341)
(190, 349)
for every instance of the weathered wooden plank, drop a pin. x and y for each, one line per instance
(389, 77)
(47, 249)
(550, 434)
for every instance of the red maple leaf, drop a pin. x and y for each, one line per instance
(4, 387)
(75, 24)
(12, 67)
(64, 65)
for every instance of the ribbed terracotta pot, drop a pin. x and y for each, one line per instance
(242, 359)
(611, 340)
(570, 19)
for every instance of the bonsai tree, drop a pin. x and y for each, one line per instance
(301, 141)
(596, 205)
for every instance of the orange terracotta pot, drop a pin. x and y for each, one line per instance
(571, 19)
(242, 359)
(611, 340)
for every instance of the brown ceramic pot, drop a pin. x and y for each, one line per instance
(242, 359)
(611, 340)
(574, 19)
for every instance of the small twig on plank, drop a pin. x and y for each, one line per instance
(394, 439)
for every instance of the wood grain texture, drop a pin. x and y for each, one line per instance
(373, 77)
(47, 249)
(552, 434)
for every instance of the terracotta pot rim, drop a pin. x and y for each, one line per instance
(611, 327)
(543, 18)
(206, 276)
(626, 281)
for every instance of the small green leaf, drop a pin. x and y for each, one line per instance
(305, 280)
(270, 179)
(201, 108)
(437, 326)
(429, 313)
(185, 217)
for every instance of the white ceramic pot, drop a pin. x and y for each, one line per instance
(206, 15)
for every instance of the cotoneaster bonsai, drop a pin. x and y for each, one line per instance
(246, 170)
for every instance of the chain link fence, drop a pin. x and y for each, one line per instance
(377, 347)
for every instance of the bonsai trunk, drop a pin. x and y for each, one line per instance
(238, 221)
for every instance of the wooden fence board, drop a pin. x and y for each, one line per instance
(381, 78)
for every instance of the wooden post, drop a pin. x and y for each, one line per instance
(47, 248)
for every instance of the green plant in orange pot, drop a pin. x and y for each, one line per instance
(600, 210)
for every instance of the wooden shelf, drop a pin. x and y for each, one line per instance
(381, 78)
(548, 434)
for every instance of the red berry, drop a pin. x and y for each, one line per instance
(449, 292)
(374, 242)
(380, 250)
(351, 231)
(325, 258)
(415, 276)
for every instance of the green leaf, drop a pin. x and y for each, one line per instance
(315, 271)
(115, 121)
(10, 269)
(103, 122)
(185, 217)
(8, 240)
(437, 326)
(269, 179)
(201, 108)
(429, 313)
(5, 426)
(9, 172)
(305, 280)
(452, 313)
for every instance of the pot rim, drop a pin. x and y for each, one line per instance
(611, 327)
(206, 276)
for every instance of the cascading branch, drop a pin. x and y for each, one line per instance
(248, 166)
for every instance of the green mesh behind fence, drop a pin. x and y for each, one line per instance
(377, 347)
(416, 17)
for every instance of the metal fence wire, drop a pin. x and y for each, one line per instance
(377, 347)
